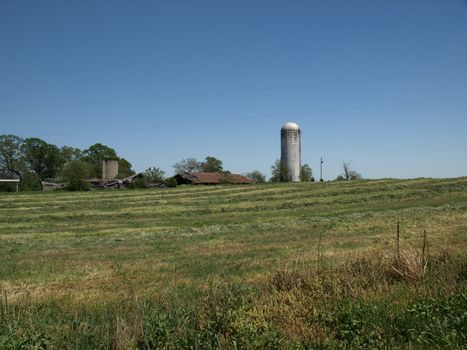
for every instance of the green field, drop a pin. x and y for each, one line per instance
(306, 265)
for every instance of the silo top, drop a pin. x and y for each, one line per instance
(290, 126)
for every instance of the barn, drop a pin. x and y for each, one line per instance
(211, 179)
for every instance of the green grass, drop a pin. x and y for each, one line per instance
(204, 267)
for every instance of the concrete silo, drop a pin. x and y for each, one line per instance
(109, 169)
(291, 149)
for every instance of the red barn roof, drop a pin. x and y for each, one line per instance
(211, 178)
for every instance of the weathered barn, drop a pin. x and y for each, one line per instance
(211, 179)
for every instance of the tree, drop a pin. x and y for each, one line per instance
(75, 174)
(43, 158)
(124, 169)
(154, 174)
(280, 172)
(211, 165)
(70, 153)
(347, 172)
(256, 176)
(188, 165)
(95, 154)
(12, 161)
(306, 173)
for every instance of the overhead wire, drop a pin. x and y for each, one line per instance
(228, 120)
(162, 97)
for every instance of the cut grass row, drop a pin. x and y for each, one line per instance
(78, 253)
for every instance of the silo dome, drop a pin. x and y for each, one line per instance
(290, 126)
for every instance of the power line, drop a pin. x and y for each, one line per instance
(217, 121)
(162, 97)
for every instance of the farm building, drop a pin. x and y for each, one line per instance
(211, 179)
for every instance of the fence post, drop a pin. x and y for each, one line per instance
(398, 240)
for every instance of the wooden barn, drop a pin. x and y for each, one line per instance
(211, 179)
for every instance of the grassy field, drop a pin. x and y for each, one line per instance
(306, 265)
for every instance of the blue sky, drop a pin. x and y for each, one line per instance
(382, 84)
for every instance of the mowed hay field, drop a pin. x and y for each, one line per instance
(305, 265)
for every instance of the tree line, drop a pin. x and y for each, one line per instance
(33, 160)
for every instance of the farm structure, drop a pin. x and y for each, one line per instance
(109, 169)
(102, 184)
(114, 183)
(14, 181)
(291, 149)
(211, 179)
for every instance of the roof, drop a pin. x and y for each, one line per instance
(9, 180)
(215, 178)
(290, 126)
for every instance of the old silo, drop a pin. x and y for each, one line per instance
(291, 149)
(109, 169)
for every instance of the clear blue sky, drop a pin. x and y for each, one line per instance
(380, 83)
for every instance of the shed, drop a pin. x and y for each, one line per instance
(15, 181)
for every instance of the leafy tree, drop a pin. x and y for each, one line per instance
(280, 172)
(12, 162)
(154, 174)
(256, 176)
(211, 165)
(306, 173)
(347, 172)
(70, 153)
(124, 169)
(189, 165)
(75, 174)
(95, 154)
(43, 158)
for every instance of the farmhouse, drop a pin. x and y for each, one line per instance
(211, 179)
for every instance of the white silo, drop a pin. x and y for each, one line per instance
(291, 149)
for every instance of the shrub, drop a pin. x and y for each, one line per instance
(306, 174)
(139, 183)
(30, 182)
(7, 187)
(154, 174)
(171, 182)
(75, 174)
(256, 176)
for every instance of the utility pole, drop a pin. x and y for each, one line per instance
(321, 169)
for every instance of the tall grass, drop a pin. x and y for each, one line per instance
(360, 303)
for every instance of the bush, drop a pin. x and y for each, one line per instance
(256, 176)
(30, 182)
(154, 174)
(306, 174)
(139, 183)
(75, 174)
(7, 187)
(171, 182)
